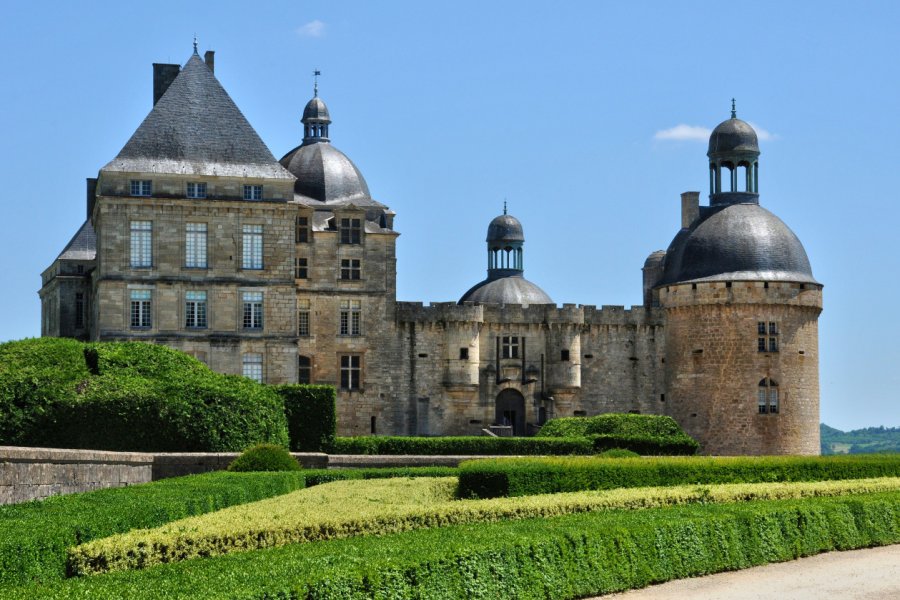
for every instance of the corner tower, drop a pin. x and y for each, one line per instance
(742, 308)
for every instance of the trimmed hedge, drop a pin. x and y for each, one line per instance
(264, 457)
(311, 416)
(320, 476)
(35, 536)
(561, 558)
(644, 434)
(491, 478)
(461, 445)
(135, 396)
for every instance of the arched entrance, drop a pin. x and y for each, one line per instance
(511, 410)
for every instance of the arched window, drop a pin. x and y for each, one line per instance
(767, 396)
(304, 369)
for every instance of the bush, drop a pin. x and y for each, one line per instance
(34, 536)
(320, 476)
(264, 457)
(490, 478)
(311, 416)
(618, 453)
(644, 434)
(462, 445)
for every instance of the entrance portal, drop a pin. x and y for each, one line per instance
(511, 410)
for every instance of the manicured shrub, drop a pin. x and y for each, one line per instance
(463, 445)
(319, 476)
(264, 457)
(34, 536)
(490, 478)
(644, 434)
(618, 453)
(311, 416)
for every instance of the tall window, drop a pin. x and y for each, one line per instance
(350, 268)
(304, 370)
(141, 244)
(140, 309)
(141, 187)
(509, 346)
(79, 310)
(351, 312)
(301, 268)
(195, 245)
(303, 318)
(196, 190)
(767, 336)
(253, 310)
(767, 396)
(301, 234)
(350, 231)
(253, 366)
(253, 192)
(195, 310)
(350, 372)
(252, 257)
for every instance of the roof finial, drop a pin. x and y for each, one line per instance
(733, 110)
(316, 74)
(504, 206)
(195, 43)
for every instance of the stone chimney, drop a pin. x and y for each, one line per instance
(163, 76)
(210, 59)
(690, 208)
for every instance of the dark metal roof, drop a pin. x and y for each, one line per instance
(196, 128)
(513, 289)
(83, 246)
(316, 110)
(505, 228)
(738, 242)
(324, 173)
(733, 136)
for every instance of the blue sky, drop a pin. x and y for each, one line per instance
(588, 117)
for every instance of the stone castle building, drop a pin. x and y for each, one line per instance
(285, 271)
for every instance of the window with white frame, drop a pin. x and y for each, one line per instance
(767, 336)
(252, 251)
(351, 372)
(196, 190)
(253, 192)
(141, 187)
(351, 231)
(351, 317)
(141, 303)
(253, 366)
(195, 245)
(195, 310)
(767, 396)
(303, 306)
(509, 346)
(304, 370)
(350, 269)
(253, 310)
(141, 244)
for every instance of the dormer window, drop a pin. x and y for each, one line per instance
(196, 190)
(141, 187)
(351, 231)
(253, 192)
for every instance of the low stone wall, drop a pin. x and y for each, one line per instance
(177, 464)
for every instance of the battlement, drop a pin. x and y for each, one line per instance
(741, 292)
(567, 314)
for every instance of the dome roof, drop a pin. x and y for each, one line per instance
(316, 110)
(513, 289)
(733, 136)
(738, 242)
(325, 173)
(505, 228)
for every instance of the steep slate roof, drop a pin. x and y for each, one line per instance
(83, 246)
(196, 128)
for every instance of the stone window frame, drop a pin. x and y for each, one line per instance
(252, 311)
(303, 317)
(509, 346)
(252, 247)
(350, 318)
(196, 189)
(140, 308)
(302, 230)
(253, 192)
(140, 244)
(767, 333)
(351, 269)
(252, 366)
(301, 268)
(768, 399)
(304, 369)
(196, 310)
(350, 368)
(196, 246)
(350, 229)
(141, 188)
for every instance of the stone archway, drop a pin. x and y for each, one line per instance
(511, 410)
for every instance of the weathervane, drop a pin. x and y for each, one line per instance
(195, 43)
(733, 110)
(504, 206)
(316, 74)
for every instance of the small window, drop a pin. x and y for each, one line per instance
(141, 187)
(301, 268)
(564, 355)
(196, 190)
(351, 231)
(79, 310)
(252, 250)
(304, 370)
(252, 316)
(350, 269)
(463, 354)
(350, 372)
(141, 244)
(767, 396)
(509, 346)
(303, 306)
(79, 269)
(350, 317)
(767, 336)
(253, 192)
(253, 367)
(195, 310)
(301, 233)
(195, 245)
(140, 309)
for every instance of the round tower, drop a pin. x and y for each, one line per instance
(742, 308)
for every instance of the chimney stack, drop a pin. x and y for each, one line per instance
(690, 208)
(163, 76)
(210, 59)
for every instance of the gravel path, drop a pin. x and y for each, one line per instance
(871, 574)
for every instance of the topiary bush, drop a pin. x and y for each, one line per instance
(463, 445)
(264, 457)
(644, 434)
(311, 416)
(618, 453)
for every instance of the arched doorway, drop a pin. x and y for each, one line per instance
(511, 410)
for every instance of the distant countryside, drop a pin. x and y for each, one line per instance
(860, 441)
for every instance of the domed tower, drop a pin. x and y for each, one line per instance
(505, 283)
(742, 308)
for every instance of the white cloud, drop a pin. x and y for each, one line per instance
(762, 134)
(683, 132)
(312, 29)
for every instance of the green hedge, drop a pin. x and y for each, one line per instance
(311, 416)
(129, 396)
(491, 478)
(462, 445)
(35, 536)
(644, 434)
(320, 476)
(561, 558)
(264, 457)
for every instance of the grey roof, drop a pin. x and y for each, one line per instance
(733, 136)
(83, 246)
(324, 173)
(505, 228)
(512, 289)
(316, 111)
(196, 128)
(737, 242)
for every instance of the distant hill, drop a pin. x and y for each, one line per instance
(860, 441)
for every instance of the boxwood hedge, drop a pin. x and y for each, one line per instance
(490, 478)
(311, 416)
(644, 434)
(462, 445)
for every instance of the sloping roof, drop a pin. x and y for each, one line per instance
(196, 128)
(83, 246)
